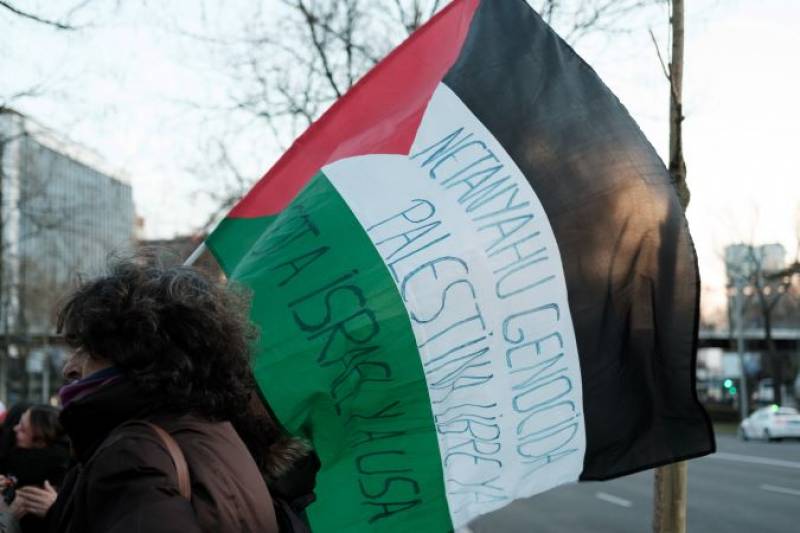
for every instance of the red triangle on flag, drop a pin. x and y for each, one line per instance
(380, 114)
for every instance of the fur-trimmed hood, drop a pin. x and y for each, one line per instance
(283, 457)
(291, 469)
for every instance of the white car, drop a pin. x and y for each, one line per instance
(771, 423)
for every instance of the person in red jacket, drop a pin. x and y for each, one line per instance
(165, 348)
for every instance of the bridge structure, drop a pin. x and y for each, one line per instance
(786, 339)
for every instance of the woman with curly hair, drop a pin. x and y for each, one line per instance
(161, 370)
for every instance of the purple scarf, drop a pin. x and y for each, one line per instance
(83, 387)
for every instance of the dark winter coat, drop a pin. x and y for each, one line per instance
(34, 466)
(126, 482)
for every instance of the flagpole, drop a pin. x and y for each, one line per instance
(201, 248)
(195, 255)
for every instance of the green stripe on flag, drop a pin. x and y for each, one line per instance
(339, 365)
(233, 237)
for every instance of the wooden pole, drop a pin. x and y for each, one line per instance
(677, 165)
(669, 512)
(669, 509)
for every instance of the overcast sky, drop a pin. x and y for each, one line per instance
(124, 87)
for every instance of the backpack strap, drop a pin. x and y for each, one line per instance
(175, 452)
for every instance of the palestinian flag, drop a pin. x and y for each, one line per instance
(474, 282)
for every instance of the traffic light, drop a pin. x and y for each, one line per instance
(728, 384)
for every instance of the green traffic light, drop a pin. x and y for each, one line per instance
(728, 383)
(732, 390)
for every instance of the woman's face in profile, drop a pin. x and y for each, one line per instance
(24, 431)
(73, 366)
(80, 364)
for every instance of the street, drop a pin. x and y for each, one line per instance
(745, 487)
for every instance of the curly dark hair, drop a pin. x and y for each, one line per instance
(178, 335)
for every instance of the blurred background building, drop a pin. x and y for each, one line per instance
(754, 359)
(62, 214)
(746, 259)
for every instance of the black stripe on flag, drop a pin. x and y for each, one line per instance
(629, 262)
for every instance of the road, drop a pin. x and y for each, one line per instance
(745, 487)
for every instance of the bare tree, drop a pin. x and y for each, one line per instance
(228, 191)
(290, 70)
(769, 289)
(59, 16)
(288, 65)
(67, 20)
(765, 286)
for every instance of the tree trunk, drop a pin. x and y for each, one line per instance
(766, 306)
(670, 491)
(669, 512)
(677, 165)
(774, 360)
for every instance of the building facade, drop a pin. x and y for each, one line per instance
(62, 215)
(746, 260)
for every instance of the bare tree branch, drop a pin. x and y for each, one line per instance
(577, 18)
(59, 25)
(658, 53)
(288, 68)
(31, 92)
(320, 45)
(786, 273)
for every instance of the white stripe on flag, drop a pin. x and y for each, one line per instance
(477, 264)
